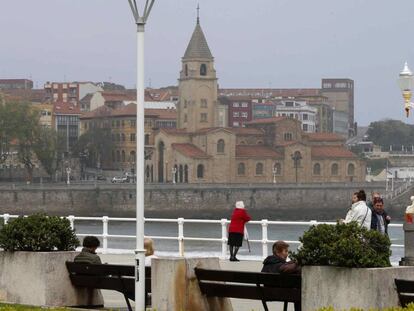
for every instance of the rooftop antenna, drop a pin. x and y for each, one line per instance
(198, 13)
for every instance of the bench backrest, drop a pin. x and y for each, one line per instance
(405, 290)
(104, 276)
(249, 285)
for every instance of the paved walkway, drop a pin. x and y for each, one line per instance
(115, 301)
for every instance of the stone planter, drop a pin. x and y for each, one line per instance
(41, 279)
(343, 288)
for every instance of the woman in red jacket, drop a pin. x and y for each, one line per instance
(236, 229)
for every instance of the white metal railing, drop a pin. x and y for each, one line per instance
(264, 223)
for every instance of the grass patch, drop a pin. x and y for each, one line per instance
(16, 307)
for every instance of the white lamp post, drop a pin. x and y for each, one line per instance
(274, 174)
(405, 82)
(140, 21)
(173, 171)
(68, 170)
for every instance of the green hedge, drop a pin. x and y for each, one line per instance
(343, 245)
(38, 233)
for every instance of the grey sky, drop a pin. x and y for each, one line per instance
(262, 43)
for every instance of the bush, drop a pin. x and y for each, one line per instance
(343, 245)
(38, 233)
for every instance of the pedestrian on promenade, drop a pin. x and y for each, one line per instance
(149, 251)
(374, 195)
(359, 210)
(88, 253)
(380, 218)
(239, 218)
(277, 263)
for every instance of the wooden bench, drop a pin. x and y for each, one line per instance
(405, 290)
(251, 285)
(113, 277)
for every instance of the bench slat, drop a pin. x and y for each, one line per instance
(404, 286)
(104, 269)
(104, 282)
(250, 292)
(267, 279)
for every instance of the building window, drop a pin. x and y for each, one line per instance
(123, 123)
(241, 169)
(259, 169)
(244, 114)
(123, 155)
(185, 103)
(220, 146)
(203, 70)
(186, 70)
(305, 127)
(288, 136)
(118, 156)
(277, 169)
(235, 114)
(132, 123)
(236, 124)
(327, 85)
(204, 103)
(132, 137)
(351, 169)
(334, 169)
(304, 116)
(146, 139)
(118, 123)
(123, 137)
(185, 118)
(203, 117)
(245, 105)
(259, 142)
(200, 171)
(316, 169)
(235, 105)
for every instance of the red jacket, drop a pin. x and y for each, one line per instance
(238, 219)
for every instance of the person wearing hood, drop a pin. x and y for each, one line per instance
(359, 211)
(277, 263)
(239, 218)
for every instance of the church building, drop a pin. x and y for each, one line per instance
(273, 150)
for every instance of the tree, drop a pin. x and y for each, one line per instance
(391, 133)
(96, 145)
(7, 130)
(45, 149)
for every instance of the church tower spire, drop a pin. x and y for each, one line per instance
(197, 86)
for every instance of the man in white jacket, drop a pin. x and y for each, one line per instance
(359, 211)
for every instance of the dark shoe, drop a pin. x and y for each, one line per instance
(232, 259)
(235, 259)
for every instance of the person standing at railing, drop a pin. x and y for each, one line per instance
(359, 211)
(239, 218)
(380, 218)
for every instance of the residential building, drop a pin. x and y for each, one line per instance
(340, 123)
(240, 110)
(16, 84)
(71, 92)
(298, 110)
(45, 113)
(66, 123)
(261, 110)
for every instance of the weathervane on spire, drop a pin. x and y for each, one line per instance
(198, 13)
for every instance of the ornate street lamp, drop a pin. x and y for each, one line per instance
(140, 21)
(174, 172)
(296, 157)
(405, 82)
(274, 174)
(68, 170)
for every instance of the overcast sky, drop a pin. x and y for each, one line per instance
(261, 43)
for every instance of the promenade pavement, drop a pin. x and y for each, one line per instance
(115, 301)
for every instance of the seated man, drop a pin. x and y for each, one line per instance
(277, 263)
(88, 253)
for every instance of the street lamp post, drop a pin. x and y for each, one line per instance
(173, 171)
(405, 82)
(140, 21)
(274, 174)
(296, 157)
(68, 170)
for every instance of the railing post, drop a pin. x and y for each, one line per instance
(6, 218)
(71, 219)
(264, 237)
(181, 237)
(313, 222)
(223, 238)
(105, 220)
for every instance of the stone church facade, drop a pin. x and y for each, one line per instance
(273, 150)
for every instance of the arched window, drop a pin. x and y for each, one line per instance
(186, 173)
(241, 169)
(123, 155)
(259, 169)
(123, 136)
(242, 142)
(351, 169)
(316, 169)
(203, 70)
(220, 146)
(132, 156)
(147, 139)
(200, 171)
(181, 172)
(176, 173)
(260, 142)
(334, 169)
(118, 156)
(186, 70)
(277, 168)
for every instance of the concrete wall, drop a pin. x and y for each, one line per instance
(344, 288)
(41, 279)
(322, 201)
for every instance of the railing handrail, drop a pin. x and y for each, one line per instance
(181, 238)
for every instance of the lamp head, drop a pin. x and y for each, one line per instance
(405, 80)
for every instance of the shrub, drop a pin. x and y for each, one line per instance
(343, 245)
(38, 233)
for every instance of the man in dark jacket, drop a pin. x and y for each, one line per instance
(277, 263)
(379, 219)
(88, 253)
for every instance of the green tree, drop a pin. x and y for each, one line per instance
(45, 149)
(391, 132)
(7, 130)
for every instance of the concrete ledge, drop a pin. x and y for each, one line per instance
(175, 286)
(344, 288)
(41, 279)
